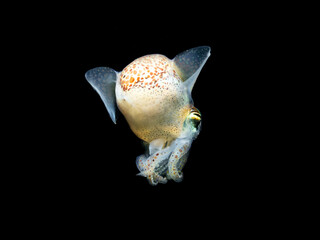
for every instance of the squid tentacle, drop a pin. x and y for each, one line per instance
(178, 159)
(152, 167)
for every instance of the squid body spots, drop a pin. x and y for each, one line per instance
(147, 72)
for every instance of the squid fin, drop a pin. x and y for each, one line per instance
(103, 80)
(189, 64)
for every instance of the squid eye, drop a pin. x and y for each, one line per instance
(195, 117)
(195, 120)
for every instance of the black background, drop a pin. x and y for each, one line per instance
(82, 162)
(101, 155)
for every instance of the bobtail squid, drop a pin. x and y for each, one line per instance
(154, 94)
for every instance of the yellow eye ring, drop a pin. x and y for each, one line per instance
(195, 117)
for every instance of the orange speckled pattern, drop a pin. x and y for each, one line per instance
(145, 72)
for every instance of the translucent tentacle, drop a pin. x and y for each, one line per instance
(178, 159)
(153, 167)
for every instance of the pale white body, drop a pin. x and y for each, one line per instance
(155, 110)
